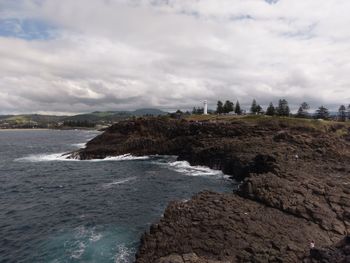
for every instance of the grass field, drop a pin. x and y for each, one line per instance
(341, 128)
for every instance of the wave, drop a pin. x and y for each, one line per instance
(44, 158)
(79, 145)
(120, 181)
(62, 157)
(178, 166)
(185, 168)
(124, 157)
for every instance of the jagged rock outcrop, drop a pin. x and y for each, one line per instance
(226, 227)
(295, 188)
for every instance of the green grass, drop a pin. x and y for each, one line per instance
(340, 128)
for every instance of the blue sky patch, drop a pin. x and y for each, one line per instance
(29, 29)
(271, 1)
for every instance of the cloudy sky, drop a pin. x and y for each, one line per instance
(68, 56)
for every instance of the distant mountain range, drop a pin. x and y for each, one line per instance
(95, 118)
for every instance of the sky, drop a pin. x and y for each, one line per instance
(65, 57)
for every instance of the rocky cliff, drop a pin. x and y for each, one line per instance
(295, 188)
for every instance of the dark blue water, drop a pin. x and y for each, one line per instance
(53, 210)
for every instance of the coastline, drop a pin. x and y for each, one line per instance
(307, 192)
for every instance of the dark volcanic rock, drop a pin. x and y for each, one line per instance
(295, 188)
(235, 148)
(229, 228)
(340, 253)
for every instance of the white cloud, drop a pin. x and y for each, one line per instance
(173, 54)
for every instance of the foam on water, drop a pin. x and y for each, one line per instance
(76, 254)
(184, 167)
(124, 157)
(123, 254)
(120, 181)
(79, 145)
(179, 166)
(80, 220)
(50, 157)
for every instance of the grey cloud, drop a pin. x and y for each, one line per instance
(174, 54)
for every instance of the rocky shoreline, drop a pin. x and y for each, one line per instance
(295, 188)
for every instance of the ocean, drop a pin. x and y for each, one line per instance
(57, 210)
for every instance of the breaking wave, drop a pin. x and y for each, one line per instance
(170, 162)
(184, 167)
(44, 158)
(63, 158)
(79, 145)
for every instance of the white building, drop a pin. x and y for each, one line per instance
(205, 112)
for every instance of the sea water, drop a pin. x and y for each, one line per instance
(57, 210)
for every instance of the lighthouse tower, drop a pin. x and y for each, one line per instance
(205, 112)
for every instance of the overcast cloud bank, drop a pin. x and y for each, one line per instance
(79, 56)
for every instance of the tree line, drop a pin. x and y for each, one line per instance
(228, 107)
(78, 123)
(282, 109)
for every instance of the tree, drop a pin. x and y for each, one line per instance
(253, 108)
(342, 113)
(303, 110)
(220, 108)
(197, 110)
(270, 111)
(259, 109)
(283, 108)
(322, 113)
(238, 109)
(228, 106)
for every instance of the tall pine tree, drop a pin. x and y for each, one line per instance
(270, 111)
(322, 113)
(220, 107)
(253, 108)
(303, 110)
(342, 113)
(283, 108)
(238, 109)
(228, 106)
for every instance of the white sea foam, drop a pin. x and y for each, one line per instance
(84, 239)
(95, 237)
(76, 254)
(120, 181)
(185, 168)
(123, 254)
(79, 145)
(124, 157)
(51, 157)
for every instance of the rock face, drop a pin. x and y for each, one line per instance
(340, 253)
(295, 188)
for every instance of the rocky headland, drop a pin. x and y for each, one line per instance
(295, 188)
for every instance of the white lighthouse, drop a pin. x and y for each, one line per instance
(205, 112)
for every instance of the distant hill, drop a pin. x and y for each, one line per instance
(110, 116)
(143, 112)
(93, 118)
(25, 118)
